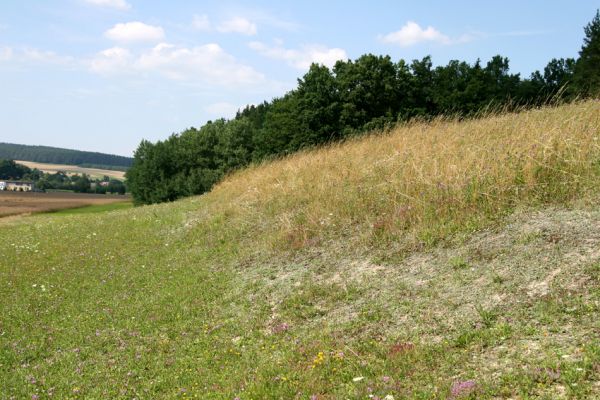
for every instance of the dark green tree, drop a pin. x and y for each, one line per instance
(11, 170)
(587, 68)
(318, 107)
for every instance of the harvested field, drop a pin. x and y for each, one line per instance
(74, 169)
(13, 203)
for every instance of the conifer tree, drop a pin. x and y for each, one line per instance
(587, 69)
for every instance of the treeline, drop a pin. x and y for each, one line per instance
(79, 183)
(369, 93)
(10, 170)
(55, 155)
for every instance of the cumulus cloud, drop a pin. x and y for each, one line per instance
(301, 58)
(208, 64)
(135, 32)
(201, 23)
(238, 25)
(110, 61)
(117, 4)
(411, 34)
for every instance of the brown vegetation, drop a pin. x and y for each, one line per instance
(12, 203)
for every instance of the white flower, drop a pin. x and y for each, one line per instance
(358, 379)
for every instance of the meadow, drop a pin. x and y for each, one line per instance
(94, 173)
(15, 203)
(438, 260)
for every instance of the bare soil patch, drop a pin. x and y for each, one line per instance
(15, 203)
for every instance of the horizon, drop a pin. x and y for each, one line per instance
(101, 75)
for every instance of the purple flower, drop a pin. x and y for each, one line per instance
(281, 328)
(462, 388)
(385, 379)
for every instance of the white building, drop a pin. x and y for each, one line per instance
(17, 186)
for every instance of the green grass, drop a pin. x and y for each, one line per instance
(224, 296)
(95, 208)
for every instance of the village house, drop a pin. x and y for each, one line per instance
(17, 186)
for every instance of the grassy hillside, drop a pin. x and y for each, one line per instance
(439, 260)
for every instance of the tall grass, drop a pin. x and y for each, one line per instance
(418, 182)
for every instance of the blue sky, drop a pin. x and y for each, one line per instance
(102, 75)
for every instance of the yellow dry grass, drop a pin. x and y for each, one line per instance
(419, 181)
(73, 169)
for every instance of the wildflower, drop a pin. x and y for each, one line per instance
(281, 328)
(462, 388)
(318, 359)
(385, 379)
(388, 397)
(358, 379)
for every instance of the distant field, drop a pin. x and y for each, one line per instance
(73, 169)
(13, 203)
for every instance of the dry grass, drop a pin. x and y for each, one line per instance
(74, 169)
(419, 182)
(14, 203)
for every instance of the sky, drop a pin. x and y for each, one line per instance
(101, 75)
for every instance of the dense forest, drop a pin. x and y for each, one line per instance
(10, 170)
(55, 155)
(369, 93)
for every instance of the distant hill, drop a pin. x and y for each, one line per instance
(56, 155)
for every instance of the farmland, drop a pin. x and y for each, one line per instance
(14, 203)
(94, 173)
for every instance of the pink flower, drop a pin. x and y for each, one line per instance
(462, 388)
(281, 328)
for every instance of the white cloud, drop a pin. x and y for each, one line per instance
(36, 57)
(238, 25)
(301, 58)
(207, 64)
(111, 61)
(47, 57)
(135, 32)
(411, 34)
(201, 23)
(221, 110)
(6, 53)
(118, 4)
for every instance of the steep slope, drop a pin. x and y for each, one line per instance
(440, 260)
